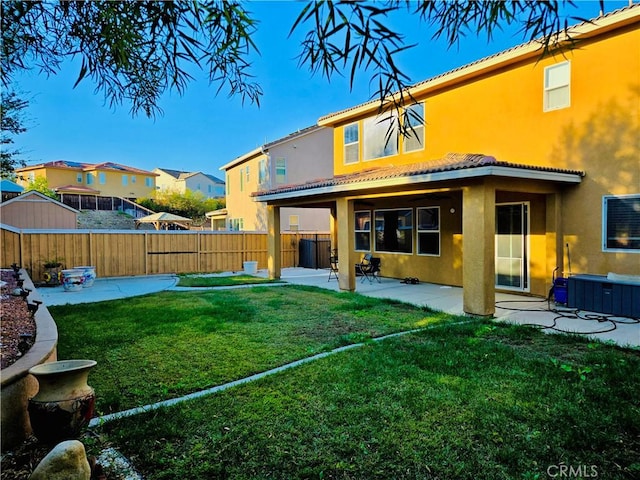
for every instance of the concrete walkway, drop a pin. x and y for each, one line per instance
(511, 308)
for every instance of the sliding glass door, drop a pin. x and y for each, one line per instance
(512, 246)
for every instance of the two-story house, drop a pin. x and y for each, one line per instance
(514, 161)
(79, 180)
(301, 156)
(180, 181)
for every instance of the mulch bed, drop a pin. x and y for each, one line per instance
(15, 321)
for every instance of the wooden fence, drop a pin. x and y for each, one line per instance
(117, 253)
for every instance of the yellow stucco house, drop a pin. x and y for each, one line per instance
(519, 159)
(82, 185)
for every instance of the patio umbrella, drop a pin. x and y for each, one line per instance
(162, 220)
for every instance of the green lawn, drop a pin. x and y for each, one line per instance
(469, 401)
(170, 344)
(221, 281)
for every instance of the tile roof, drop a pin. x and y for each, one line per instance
(449, 163)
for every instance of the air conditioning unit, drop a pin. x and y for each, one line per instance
(614, 295)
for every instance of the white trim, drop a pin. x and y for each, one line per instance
(527, 251)
(499, 171)
(438, 231)
(603, 222)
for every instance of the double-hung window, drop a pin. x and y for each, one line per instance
(428, 230)
(89, 178)
(351, 144)
(394, 230)
(557, 86)
(148, 182)
(414, 123)
(380, 137)
(102, 178)
(363, 231)
(621, 223)
(281, 170)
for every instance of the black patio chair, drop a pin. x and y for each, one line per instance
(333, 264)
(369, 268)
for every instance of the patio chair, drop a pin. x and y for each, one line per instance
(333, 264)
(369, 268)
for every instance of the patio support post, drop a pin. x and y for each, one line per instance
(333, 228)
(274, 262)
(345, 223)
(478, 249)
(555, 244)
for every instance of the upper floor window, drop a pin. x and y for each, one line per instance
(351, 144)
(227, 184)
(363, 231)
(89, 178)
(241, 181)
(247, 174)
(557, 91)
(428, 231)
(380, 137)
(621, 223)
(281, 170)
(148, 182)
(394, 230)
(79, 178)
(102, 178)
(414, 121)
(209, 188)
(125, 179)
(133, 179)
(262, 172)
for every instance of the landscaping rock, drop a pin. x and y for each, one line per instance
(67, 461)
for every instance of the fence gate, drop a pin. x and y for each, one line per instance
(314, 253)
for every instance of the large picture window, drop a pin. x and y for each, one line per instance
(428, 231)
(414, 118)
(363, 231)
(351, 144)
(557, 92)
(394, 230)
(377, 130)
(621, 223)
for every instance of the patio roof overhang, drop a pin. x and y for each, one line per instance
(457, 168)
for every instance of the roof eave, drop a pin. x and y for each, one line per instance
(492, 170)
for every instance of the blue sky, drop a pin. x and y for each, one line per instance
(200, 131)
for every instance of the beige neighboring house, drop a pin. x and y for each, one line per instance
(303, 156)
(35, 210)
(181, 181)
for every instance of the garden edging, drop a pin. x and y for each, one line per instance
(17, 385)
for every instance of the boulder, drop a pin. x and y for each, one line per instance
(67, 461)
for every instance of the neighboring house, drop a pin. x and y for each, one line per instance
(546, 160)
(302, 156)
(179, 181)
(35, 210)
(9, 189)
(91, 180)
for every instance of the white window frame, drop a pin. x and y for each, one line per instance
(605, 213)
(418, 129)
(352, 145)
(363, 230)
(428, 230)
(294, 223)
(148, 182)
(79, 178)
(550, 88)
(281, 164)
(247, 175)
(374, 134)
